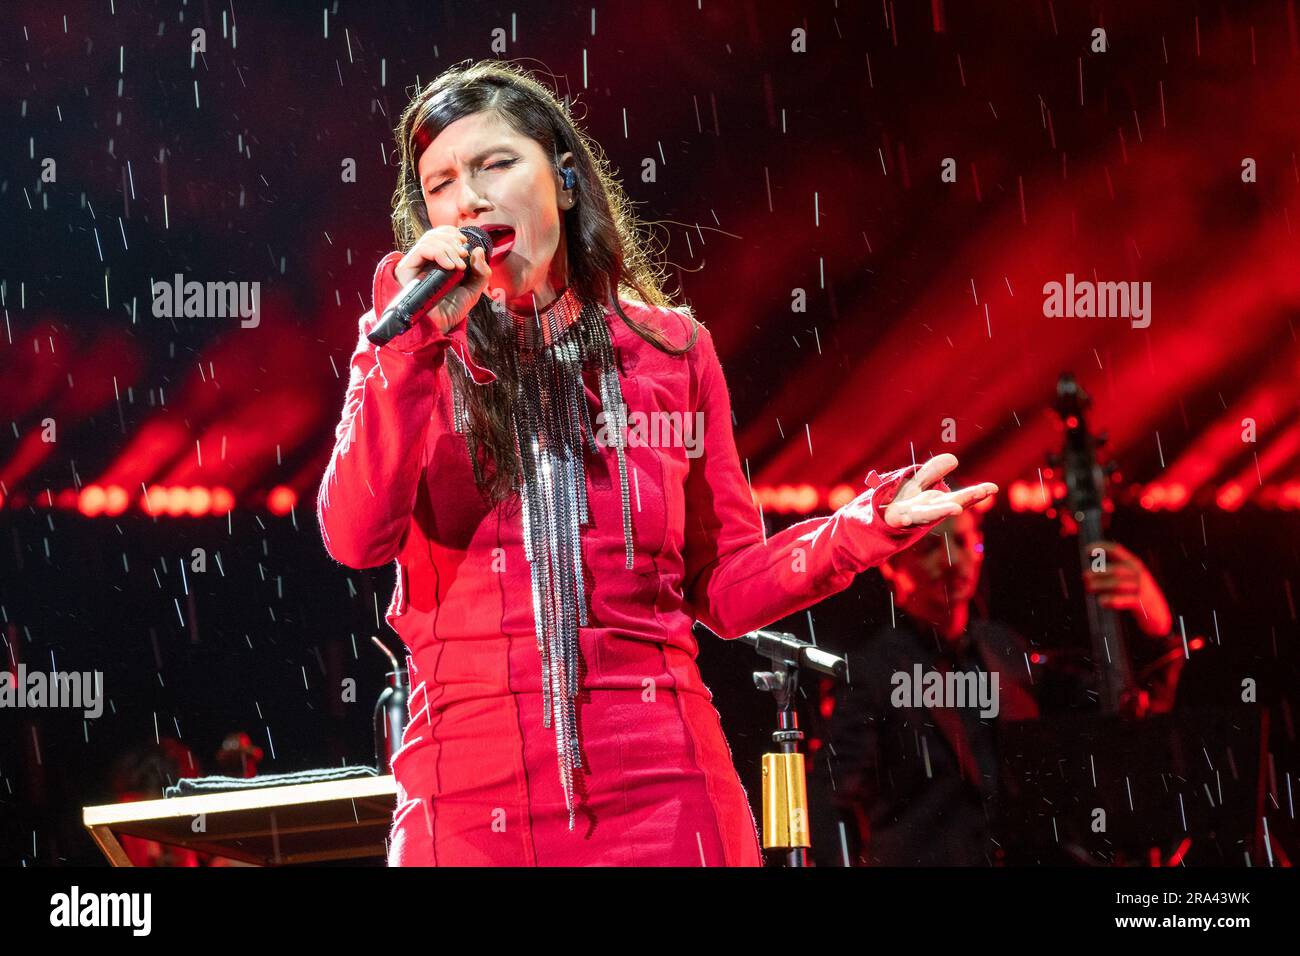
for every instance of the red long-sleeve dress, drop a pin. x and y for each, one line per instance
(477, 773)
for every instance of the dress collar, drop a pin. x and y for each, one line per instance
(544, 327)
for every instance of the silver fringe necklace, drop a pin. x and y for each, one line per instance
(552, 426)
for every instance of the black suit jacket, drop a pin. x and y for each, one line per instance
(915, 786)
(918, 786)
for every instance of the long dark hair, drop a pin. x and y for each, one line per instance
(608, 254)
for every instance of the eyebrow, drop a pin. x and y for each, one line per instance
(478, 157)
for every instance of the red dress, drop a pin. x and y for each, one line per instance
(477, 774)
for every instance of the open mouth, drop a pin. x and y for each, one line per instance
(503, 238)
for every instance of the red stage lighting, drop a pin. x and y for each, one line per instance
(91, 501)
(805, 499)
(115, 500)
(1178, 495)
(199, 502)
(1230, 497)
(281, 500)
(154, 500)
(1289, 496)
(1019, 496)
(222, 501)
(1154, 498)
(841, 495)
(178, 501)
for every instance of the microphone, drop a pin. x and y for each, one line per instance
(425, 290)
(782, 648)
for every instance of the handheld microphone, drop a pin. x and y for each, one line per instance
(425, 290)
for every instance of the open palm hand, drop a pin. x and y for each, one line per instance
(919, 502)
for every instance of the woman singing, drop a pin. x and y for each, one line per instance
(550, 562)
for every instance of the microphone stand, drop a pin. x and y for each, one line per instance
(785, 791)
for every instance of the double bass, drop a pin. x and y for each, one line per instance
(1084, 504)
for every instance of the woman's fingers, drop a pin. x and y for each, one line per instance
(480, 269)
(933, 470)
(972, 493)
(937, 511)
(913, 513)
(917, 502)
(444, 246)
(455, 305)
(446, 252)
(932, 506)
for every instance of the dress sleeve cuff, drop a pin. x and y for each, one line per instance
(423, 335)
(881, 490)
(862, 536)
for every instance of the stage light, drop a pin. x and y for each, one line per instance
(841, 495)
(1154, 498)
(177, 501)
(199, 502)
(1019, 496)
(116, 500)
(1289, 497)
(281, 500)
(1178, 495)
(1230, 497)
(805, 498)
(1038, 494)
(154, 500)
(91, 501)
(222, 501)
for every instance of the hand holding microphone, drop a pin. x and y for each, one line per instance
(458, 276)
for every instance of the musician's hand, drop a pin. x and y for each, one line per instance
(918, 502)
(446, 246)
(1127, 585)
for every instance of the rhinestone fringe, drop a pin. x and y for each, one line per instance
(552, 425)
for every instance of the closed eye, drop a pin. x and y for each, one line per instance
(502, 163)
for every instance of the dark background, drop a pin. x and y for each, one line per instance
(776, 170)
